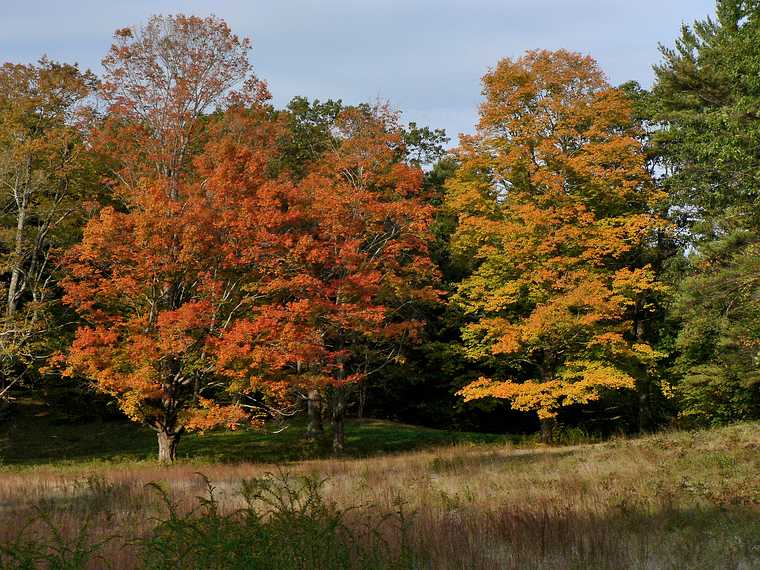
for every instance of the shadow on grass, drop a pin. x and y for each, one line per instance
(551, 536)
(36, 439)
(514, 459)
(300, 531)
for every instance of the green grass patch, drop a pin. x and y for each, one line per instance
(33, 438)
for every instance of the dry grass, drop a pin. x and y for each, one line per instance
(680, 500)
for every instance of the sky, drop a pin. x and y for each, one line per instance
(424, 56)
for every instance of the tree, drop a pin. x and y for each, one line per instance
(707, 130)
(311, 131)
(308, 134)
(718, 306)
(46, 178)
(160, 274)
(704, 100)
(555, 208)
(334, 309)
(160, 83)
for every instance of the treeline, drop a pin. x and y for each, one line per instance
(176, 245)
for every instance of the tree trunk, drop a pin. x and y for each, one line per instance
(645, 412)
(167, 446)
(642, 383)
(338, 416)
(22, 203)
(314, 407)
(339, 436)
(362, 400)
(547, 430)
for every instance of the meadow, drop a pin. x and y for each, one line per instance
(402, 497)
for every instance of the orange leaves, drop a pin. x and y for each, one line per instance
(180, 329)
(209, 415)
(163, 273)
(553, 200)
(211, 278)
(265, 344)
(91, 350)
(352, 254)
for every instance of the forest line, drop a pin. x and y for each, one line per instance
(176, 245)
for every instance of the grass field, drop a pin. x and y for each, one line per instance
(410, 498)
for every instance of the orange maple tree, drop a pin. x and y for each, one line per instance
(335, 307)
(160, 273)
(555, 206)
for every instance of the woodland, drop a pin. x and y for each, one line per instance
(177, 251)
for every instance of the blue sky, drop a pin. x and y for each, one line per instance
(425, 56)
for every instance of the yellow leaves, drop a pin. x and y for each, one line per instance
(644, 349)
(667, 389)
(529, 396)
(584, 377)
(478, 340)
(490, 336)
(583, 303)
(579, 382)
(131, 404)
(500, 298)
(579, 314)
(487, 292)
(647, 355)
(635, 282)
(546, 413)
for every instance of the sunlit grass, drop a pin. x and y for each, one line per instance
(674, 500)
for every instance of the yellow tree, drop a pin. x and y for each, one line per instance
(555, 207)
(47, 177)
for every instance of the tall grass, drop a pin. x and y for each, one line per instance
(680, 500)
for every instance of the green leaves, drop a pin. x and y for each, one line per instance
(704, 106)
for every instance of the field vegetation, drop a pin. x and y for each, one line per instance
(671, 500)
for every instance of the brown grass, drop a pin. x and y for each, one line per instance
(680, 500)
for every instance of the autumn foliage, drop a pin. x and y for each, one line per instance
(554, 205)
(160, 274)
(335, 305)
(213, 282)
(179, 244)
(46, 185)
